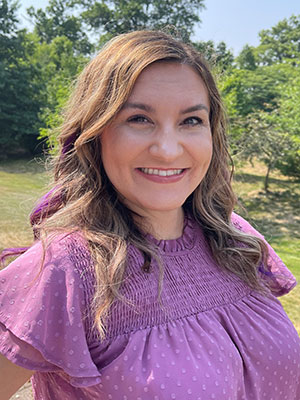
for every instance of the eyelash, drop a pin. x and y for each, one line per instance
(140, 119)
(199, 121)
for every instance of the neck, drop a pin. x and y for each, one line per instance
(163, 224)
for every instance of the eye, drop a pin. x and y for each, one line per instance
(138, 119)
(192, 121)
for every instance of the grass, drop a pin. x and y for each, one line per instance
(276, 214)
(21, 183)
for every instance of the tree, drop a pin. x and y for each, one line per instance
(262, 95)
(289, 121)
(60, 68)
(252, 90)
(19, 86)
(8, 17)
(58, 20)
(219, 56)
(109, 18)
(60, 51)
(246, 59)
(280, 42)
(264, 139)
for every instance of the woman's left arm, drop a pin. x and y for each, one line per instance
(12, 377)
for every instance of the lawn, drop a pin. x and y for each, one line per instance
(21, 183)
(276, 215)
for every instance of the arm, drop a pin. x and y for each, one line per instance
(12, 377)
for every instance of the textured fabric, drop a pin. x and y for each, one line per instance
(209, 337)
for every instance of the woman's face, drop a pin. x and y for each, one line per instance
(158, 148)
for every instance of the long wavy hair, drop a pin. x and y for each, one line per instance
(83, 199)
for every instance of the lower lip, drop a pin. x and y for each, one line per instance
(162, 179)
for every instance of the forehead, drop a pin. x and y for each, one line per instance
(169, 80)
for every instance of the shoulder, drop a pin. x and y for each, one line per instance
(55, 247)
(48, 274)
(273, 271)
(244, 226)
(60, 256)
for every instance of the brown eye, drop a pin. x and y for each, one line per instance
(138, 119)
(192, 121)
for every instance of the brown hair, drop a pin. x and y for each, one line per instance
(89, 203)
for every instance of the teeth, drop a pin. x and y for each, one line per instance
(159, 172)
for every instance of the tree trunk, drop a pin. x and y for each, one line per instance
(270, 165)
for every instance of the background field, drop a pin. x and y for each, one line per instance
(276, 215)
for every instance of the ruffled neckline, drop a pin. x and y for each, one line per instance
(185, 242)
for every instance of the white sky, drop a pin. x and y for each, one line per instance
(235, 22)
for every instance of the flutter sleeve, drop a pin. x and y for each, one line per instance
(275, 273)
(42, 314)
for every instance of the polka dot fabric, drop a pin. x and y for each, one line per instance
(209, 337)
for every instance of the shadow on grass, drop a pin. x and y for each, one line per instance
(276, 213)
(23, 166)
(260, 179)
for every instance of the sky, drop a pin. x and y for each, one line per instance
(236, 22)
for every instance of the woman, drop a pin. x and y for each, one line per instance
(142, 282)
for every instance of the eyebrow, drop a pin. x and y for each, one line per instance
(146, 107)
(141, 106)
(197, 107)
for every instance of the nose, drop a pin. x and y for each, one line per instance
(166, 145)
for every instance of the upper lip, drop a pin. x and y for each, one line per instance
(163, 169)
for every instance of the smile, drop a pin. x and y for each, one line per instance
(161, 172)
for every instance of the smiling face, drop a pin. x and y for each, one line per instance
(158, 148)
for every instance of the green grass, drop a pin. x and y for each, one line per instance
(276, 215)
(21, 183)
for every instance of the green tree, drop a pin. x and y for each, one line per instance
(264, 139)
(252, 90)
(219, 56)
(61, 49)
(109, 18)
(289, 121)
(20, 86)
(58, 20)
(60, 68)
(246, 59)
(266, 98)
(281, 42)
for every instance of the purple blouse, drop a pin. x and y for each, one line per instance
(209, 337)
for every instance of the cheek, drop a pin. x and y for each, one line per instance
(115, 159)
(108, 155)
(204, 150)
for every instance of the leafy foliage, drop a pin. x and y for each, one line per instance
(264, 139)
(280, 42)
(246, 59)
(20, 86)
(110, 18)
(58, 20)
(219, 56)
(289, 121)
(262, 95)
